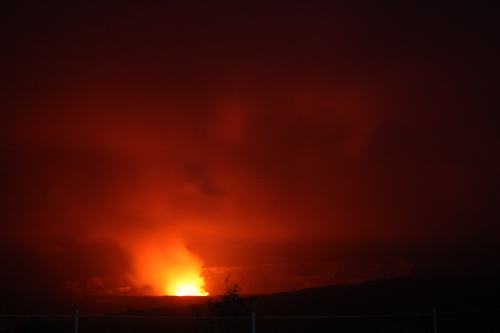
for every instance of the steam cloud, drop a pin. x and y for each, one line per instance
(302, 143)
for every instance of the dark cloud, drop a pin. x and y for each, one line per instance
(55, 266)
(198, 173)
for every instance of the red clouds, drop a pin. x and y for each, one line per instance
(242, 129)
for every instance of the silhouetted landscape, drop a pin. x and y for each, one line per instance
(472, 303)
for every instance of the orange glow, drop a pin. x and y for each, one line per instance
(168, 269)
(188, 288)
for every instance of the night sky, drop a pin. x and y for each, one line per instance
(244, 133)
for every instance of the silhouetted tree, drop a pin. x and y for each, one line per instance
(222, 315)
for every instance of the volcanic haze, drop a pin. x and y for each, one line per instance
(141, 142)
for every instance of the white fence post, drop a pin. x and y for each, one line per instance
(76, 321)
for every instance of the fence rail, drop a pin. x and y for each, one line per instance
(254, 317)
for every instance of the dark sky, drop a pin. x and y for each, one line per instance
(248, 133)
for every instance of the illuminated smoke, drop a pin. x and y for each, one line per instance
(168, 268)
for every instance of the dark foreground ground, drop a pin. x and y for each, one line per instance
(469, 304)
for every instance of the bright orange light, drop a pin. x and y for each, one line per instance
(189, 290)
(168, 268)
(184, 280)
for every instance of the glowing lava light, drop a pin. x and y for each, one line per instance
(190, 290)
(169, 269)
(187, 283)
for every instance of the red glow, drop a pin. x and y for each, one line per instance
(259, 135)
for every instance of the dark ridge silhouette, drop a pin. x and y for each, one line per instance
(384, 297)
